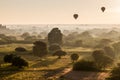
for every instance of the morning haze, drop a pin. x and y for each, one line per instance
(59, 40)
(59, 11)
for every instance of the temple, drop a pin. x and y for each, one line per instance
(2, 26)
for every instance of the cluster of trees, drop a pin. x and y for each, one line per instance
(101, 59)
(76, 39)
(85, 65)
(27, 37)
(15, 60)
(6, 39)
(54, 41)
(40, 49)
(94, 38)
(111, 49)
(100, 62)
(115, 72)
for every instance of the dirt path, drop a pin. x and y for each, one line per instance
(81, 75)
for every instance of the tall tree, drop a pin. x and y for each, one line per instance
(55, 36)
(40, 48)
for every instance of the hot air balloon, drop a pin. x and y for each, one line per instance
(75, 16)
(103, 9)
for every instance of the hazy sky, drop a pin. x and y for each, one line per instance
(59, 11)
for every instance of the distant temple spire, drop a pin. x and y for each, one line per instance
(2, 26)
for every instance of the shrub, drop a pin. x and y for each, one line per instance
(8, 58)
(20, 49)
(59, 53)
(74, 57)
(115, 74)
(19, 62)
(84, 65)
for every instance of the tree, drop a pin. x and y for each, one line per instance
(20, 49)
(103, 42)
(55, 36)
(19, 62)
(74, 57)
(40, 48)
(59, 53)
(24, 35)
(8, 58)
(15, 60)
(30, 38)
(117, 47)
(85, 65)
(54, 47)
(78, 43)
(109, 51)
(102, 61)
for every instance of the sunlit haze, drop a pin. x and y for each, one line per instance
(59, 11)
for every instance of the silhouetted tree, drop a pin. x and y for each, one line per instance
(40, 48)
(74, 57)
(59, 53)
(85, 65)
(19, 62)
(20, 49)
(8, 58)
(55, 36)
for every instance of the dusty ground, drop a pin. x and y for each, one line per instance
(79, 75)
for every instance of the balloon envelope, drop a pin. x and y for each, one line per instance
(103, 9)
(75, 16)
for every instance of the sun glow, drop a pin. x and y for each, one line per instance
(116, 6)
